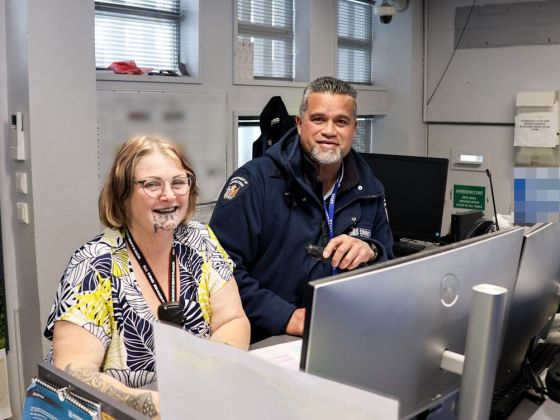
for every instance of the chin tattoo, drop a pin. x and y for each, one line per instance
(165, 222)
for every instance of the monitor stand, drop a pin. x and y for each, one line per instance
(479, 363)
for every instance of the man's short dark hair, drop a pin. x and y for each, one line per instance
(331, 85)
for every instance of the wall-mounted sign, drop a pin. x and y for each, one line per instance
(470, 197)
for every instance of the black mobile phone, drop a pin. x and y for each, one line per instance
(316, 251)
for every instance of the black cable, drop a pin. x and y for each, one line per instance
(493, 198)
(529, 374)
(452, 54)
(536, 382)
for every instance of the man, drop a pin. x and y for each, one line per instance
(310, 188)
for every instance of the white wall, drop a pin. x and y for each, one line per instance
(21, 282)
(16, 382)
(481, 83)
(398, 66)
(51, 80)
(473, 107)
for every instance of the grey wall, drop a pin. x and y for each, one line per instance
(51, 80)
(397, 64)
(23, 252)
(16, 382)
(473, 108)
(480, 84)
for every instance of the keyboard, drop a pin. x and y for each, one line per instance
(506, 398)
(402, 248)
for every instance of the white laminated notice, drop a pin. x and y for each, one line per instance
(536, 120)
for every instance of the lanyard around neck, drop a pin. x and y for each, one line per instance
(329, 213)
(150, 274)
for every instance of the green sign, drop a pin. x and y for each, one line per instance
(469, 197)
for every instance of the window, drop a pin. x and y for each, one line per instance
(248, 130)
(355, 41)
(146, 31)
(363, 142)
(266, 29)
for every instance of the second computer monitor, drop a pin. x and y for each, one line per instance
(415, 193)
(385, 328)
(535, 298)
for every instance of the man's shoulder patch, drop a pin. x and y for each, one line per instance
(236, 186)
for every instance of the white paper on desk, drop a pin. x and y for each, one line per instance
(286, 355)
(201, 379)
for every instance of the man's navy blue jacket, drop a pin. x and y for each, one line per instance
(271, 208)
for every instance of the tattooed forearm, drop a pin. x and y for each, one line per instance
(142, 401)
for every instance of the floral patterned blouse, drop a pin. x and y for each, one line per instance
(99, 292)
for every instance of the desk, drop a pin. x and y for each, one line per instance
(550, 410)
(271, 341)
(526, 410)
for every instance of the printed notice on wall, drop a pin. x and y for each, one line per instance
(244, 52)
(537, 129)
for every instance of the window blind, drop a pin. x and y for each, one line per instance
(355, 41)
(363, 142)
(146, 31)
(269, 26)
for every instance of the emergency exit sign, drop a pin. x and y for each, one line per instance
(469, 197)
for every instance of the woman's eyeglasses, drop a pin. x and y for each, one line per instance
(154, 187)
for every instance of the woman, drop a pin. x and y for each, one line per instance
(108, 298)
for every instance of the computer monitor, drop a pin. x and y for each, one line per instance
(385, 327)
(414, 191)
(535, 298)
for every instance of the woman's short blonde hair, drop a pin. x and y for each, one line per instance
(120, 181)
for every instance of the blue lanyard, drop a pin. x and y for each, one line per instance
(329, 213)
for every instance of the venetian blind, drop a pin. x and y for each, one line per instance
(146, 31)
(269, 26)
(355, 41)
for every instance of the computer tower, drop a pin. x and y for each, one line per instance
(461, 224)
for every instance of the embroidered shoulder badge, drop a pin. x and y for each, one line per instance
(236, 186)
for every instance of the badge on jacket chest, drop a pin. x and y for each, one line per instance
(360, 231)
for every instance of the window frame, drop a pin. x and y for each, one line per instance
(370, 121)
(189, 7)
(262, 81)
(356, 43)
